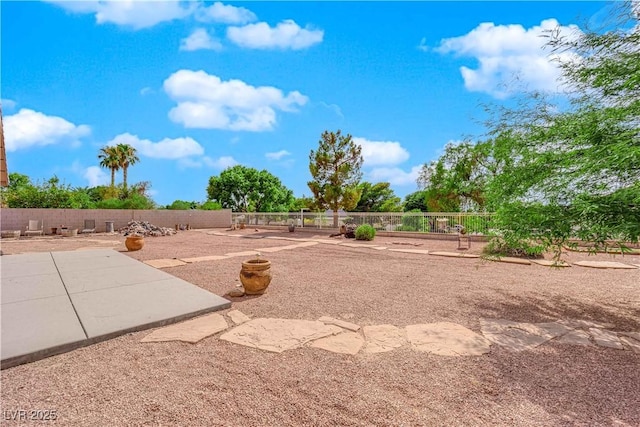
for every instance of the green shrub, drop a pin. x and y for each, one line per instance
(365, 232)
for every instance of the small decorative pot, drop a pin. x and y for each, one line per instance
(134, 243)
(292, 228)
(255, 276)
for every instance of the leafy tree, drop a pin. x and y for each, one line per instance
(245, 189)
(574, 172)
(210, 206)
(182, 205)
(109, 160)
(302, 203)
(126, 156)
(377, 197)
(458, 179)
(335, 169)
(416, 201)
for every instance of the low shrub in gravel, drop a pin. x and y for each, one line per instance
(365, 232)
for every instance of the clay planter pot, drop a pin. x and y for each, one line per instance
(255, 276)
(292, 228)
(134, 243)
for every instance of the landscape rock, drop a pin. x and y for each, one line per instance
(145, 228)
(344, 343)
(236, 292)
(605, 264)
(519, 336)
(278, 335)
(447, 339)
(382, 338)
(631, 343)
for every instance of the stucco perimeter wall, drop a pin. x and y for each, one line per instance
(18, 219)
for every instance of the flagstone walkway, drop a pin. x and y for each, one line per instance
(308, 242)
(441, 338)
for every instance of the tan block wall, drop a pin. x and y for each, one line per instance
(18, 219)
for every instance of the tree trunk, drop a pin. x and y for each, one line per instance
(113, 177)
(124, 177)
(335, 218)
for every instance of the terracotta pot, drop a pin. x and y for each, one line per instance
(255, 276)
(134, 243)
(292, 228)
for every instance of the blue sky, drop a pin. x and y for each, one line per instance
(200, 86)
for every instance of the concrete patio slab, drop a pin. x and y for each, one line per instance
(58, 301)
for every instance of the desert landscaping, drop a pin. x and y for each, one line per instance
(405, 338)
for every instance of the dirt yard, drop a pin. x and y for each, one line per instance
(123, 382)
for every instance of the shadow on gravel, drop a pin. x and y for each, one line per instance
(550, 308)
(575, 385)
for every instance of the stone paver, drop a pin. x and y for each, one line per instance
(357, 245)
(242, 253)
(340, 323)
(576, 338)
(190, 331)
(344, 343)
(631, 343)
(584, 324)
(411, 251)
(447, 339)
(454, 254)
(606, 338)
(519, 336)
(550, 263)
(383, 338)
(511, 260)
(164, 263)
(605, 264)
(204, 258)
(634, 335)
(327, 241)
(238, 317)
(278, 335)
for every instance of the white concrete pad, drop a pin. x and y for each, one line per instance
(383, 338)
(344, 343)
(15, 289)
(191, 331)
(447, 339)
(605, 264)
(37, 325)
(164, 263)
(113, 277)
(278, 335)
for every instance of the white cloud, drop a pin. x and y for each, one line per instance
(225, 14)
(423, 45)
(7, 104)
(506, 52)
(277, 155)
(381, 152)
(200, 39)
(131, 13)
(205, 101)
(29, 128)
(395, 176)
(96, 176)
(286, 35)
(166, 149)
(221, 162)
(146, 91)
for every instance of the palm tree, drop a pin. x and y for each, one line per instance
(126, 157)
(109, 159)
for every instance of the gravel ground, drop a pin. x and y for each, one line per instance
(123, 382)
